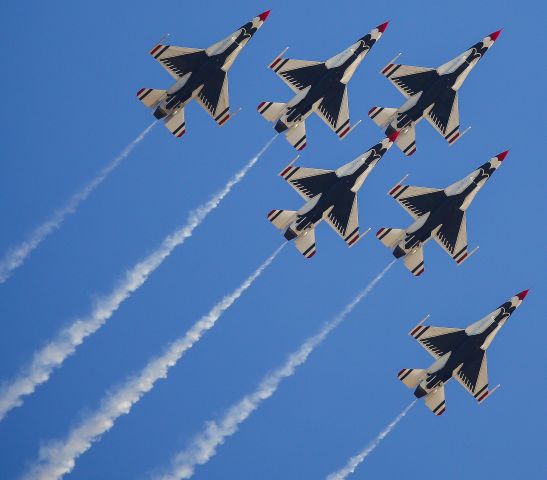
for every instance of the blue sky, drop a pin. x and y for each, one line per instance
(70, 74)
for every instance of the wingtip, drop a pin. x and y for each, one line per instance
(501, 156)
(381, 28)
(264, 15)
(494, 36)
(522, 295)
(393, 136)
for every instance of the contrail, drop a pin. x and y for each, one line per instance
(355, 461)
(55, 352)
(204, 445)
(15, 257)
(58, 458)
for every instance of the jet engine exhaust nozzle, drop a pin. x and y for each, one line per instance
(280, 127)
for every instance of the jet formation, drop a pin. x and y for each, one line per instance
(331, 195)
(459, 353)
(199, 74)
(431, 93)
(320, 87)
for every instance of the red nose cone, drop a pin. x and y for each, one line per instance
(393, 136)
(264, 16)
(522, 294)
(382, 27)
(494, 36)
(501, 156)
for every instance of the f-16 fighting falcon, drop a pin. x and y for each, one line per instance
(458, 353)
(199, 74)
(320, 87)
(438, 214)
(432, 93)
(330, 195)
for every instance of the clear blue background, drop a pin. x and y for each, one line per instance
(70, 71)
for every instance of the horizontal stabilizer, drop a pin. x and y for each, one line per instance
(281, 218)
(271, 111)
(382, 116)
(435, 401)
(414, 261)
(411, 377)
(176, 123)
(305, 243)
(390, 237)
(150, 96)
(296, 136)
(406, 140)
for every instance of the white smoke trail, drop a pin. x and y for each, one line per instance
(15, 257)
(355, 461)
(58, 458)
(53, 354)
(204, 445)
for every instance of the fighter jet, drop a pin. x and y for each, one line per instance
(199, 74)
(432, 93)
(320, 87)
(458, 353)
(330, 195)
(438, 214)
